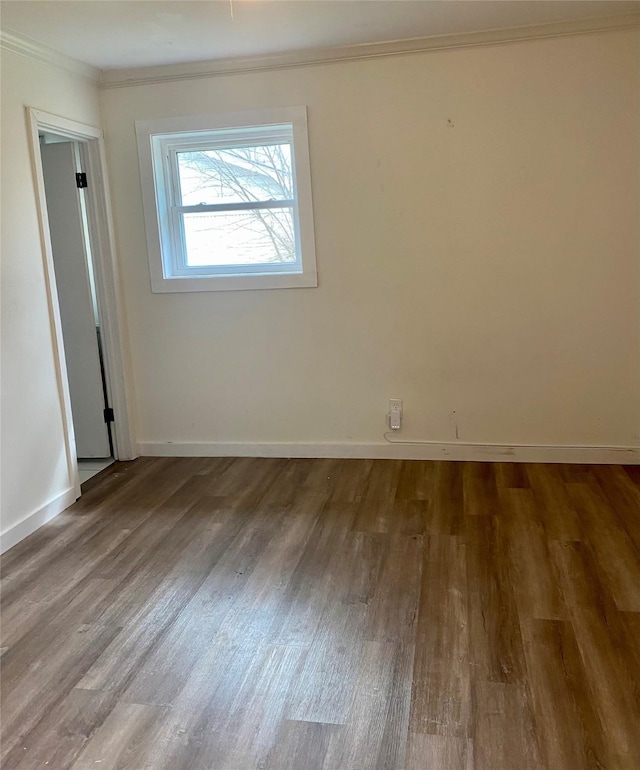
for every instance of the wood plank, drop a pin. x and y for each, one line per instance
(63, 732)
(608, 681)
(393, 608)
(511, 475)
(301, 745)
(441, 697)
(317, 576)
(613, 551)
(445, 512)
(114, 743)
(558, 516)
(375, 513)
(168, 663)
(393, 748)
(433, 752)
(610, 668)
(495, 641)
(198, 712)
(42, 684)
(251, 724)
(350, 481)
(504, 731)
(415, 481)
(359, 743)
(479, 489)
(530, 563)
(570, 730)
(327, 677)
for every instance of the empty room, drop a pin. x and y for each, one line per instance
(320, 385)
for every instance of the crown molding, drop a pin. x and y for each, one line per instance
(16, 43)
(122, 78)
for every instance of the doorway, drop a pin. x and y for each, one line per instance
(65, 183)
(81, 278)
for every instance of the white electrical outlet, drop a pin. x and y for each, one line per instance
(395, 413)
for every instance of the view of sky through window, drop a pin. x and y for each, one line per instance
(245, 176)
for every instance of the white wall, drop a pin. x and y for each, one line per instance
(34, 468)
(477, 241)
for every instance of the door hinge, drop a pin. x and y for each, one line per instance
(108, 415)
(81, 179)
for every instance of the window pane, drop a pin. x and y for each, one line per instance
(252, 237)
(235, 175)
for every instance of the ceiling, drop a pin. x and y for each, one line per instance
(112, 34)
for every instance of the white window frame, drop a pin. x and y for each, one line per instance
(160, 140)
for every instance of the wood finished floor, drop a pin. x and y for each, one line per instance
(244, 614)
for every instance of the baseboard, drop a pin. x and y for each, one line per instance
(389, 450)
(35, 520)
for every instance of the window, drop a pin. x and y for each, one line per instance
(227, 201)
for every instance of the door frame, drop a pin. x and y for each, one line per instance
(110, 308)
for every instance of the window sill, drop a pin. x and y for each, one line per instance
(162, 285)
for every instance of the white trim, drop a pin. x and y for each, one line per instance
(107, 285)
(249, 282)
(390, 451)
(52, 301)
(35, 520)
(31, 49)
(122, 78)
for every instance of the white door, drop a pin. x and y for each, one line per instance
(77, 301)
